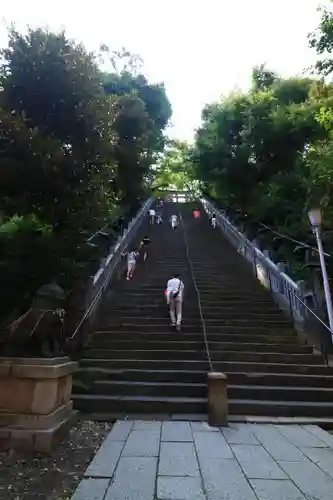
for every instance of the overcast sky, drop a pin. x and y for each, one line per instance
(199, 49)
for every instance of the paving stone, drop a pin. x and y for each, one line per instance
(271, 489)
(323, 457)
(240, 434)
(312, 481)
(256, 462)
(120, 430)
(142, 444)
(278, 446)
(300, 436)
(203, 427)
(324, 436)
(176, 431)
(178, 459)
(211, 445)
(91, 489)
(224, 480)
(267, 433)
(134, 479)
(179, 488)
(106, 459)
(142, 425)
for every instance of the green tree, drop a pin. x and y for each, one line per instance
(322, 41)
(249, 140)
(142, 112)
(174, 170)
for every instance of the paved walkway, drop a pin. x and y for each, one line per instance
(191, 461)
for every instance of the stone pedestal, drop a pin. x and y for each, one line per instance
(35, 402)
(217, 399)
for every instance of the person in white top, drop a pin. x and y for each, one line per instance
(213, 220)
(131, 263)
(174, 298)
(152, 214)
(174, 221)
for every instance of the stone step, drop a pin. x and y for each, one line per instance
(187, 330)
(280, 408)
(199, 390)
(207, 307)
(172, 405)
(218, 292)
(105, 337)
(89, 374)
(181, 345)
(142, 323)
(135, 404)
(218, 315)
(191, 295)
(218, 356)
(199, 376)
(202, 365)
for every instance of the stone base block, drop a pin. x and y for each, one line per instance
(35, 386)
(35, 404)
(39, 440)
(33, 421)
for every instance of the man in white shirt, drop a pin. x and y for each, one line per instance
(152, 214)
(174, 298)
(174, 221)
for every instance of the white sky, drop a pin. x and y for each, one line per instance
(199, 48)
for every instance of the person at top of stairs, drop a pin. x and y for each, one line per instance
(174, 297)
(174, 221)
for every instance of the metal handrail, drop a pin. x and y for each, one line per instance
(301, 244)
(203, 323)
(284, 289)
(100, 281)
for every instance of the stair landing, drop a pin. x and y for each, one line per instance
(150, 460)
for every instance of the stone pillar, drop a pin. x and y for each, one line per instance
(36, 410)
(217, 399)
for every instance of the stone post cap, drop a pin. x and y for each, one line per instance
(217, 376)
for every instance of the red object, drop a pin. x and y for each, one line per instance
(196, 214)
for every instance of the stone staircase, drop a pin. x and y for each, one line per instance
(136, 364)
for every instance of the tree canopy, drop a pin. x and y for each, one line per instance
(76, 143)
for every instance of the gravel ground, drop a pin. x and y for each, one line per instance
(25, 476)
